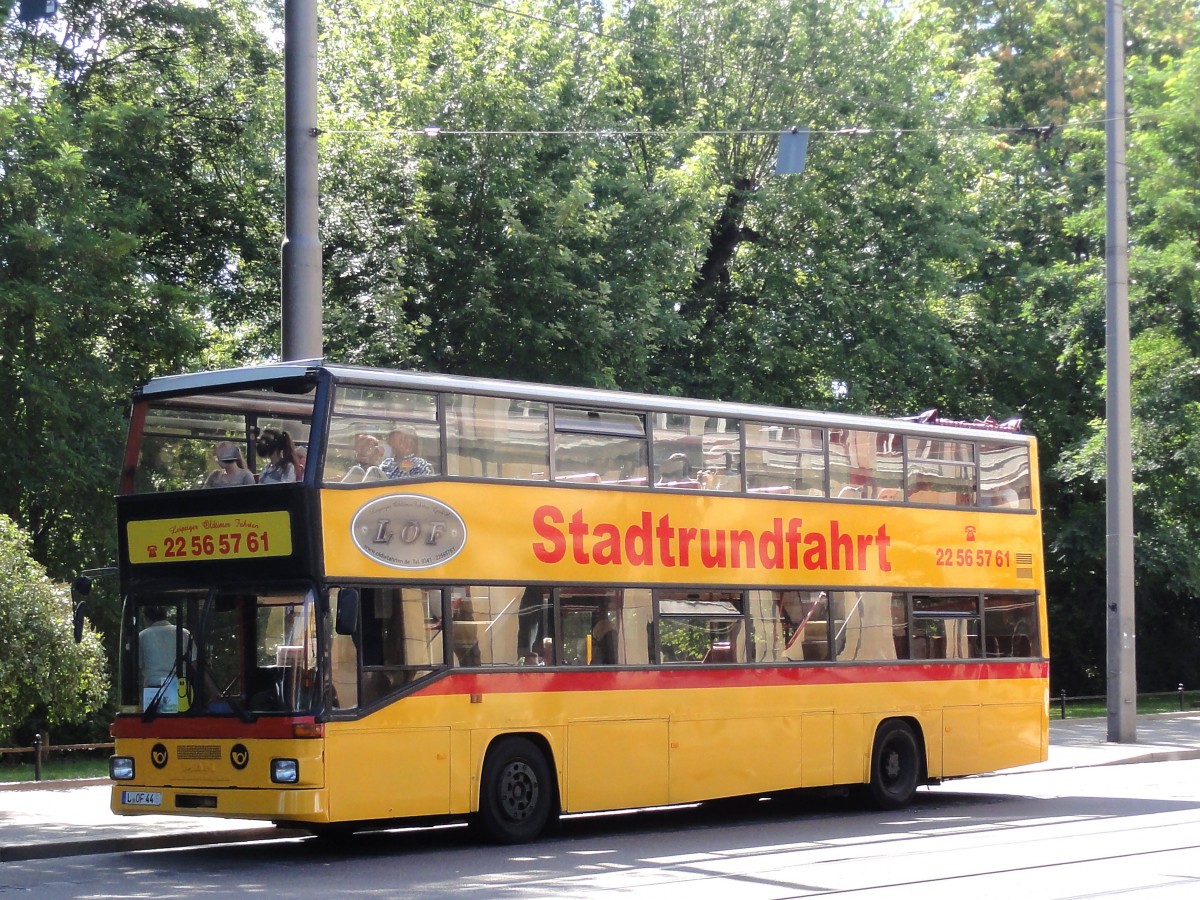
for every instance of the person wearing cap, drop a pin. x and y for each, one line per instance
(231, 468)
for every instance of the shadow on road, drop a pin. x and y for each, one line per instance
(808, 817)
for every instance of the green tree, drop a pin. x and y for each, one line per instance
(136, 211)
(505, 245)
(45, 677)
(1165, 363)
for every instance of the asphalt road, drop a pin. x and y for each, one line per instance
(1106, 831)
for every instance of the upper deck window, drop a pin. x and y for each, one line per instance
(866, 465)
(495, 437)
(181, 442)
(600, 446)
(378, 433)
(1004, 476)
(785, 459)
(941, 472)
(696, 452)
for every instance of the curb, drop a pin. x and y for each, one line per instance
(1151, 756)
(17, 852)
(52, 785)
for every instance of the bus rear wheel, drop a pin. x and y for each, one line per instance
(516, 793)
(895, 765)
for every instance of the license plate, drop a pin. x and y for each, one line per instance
(141, 798)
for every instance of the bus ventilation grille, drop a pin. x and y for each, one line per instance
(198, 751)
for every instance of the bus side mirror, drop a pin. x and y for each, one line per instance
(347, 611)
(80, 588)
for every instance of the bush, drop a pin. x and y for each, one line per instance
(45, 677)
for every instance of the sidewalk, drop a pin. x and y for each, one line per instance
(69, 818)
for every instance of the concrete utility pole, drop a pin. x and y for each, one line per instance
(301, 259)
(1122, 659)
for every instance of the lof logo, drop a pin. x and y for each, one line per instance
(408, 531)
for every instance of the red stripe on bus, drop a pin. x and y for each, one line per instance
(207, 727)
(542, 680)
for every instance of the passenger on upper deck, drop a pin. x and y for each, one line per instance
(277, 447)
(368, 451)
(404, 462)
(231, 468)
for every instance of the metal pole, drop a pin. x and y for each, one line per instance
(301, 260)
(1122, 660)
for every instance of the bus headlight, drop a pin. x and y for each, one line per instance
(285, 771)
(120, 768)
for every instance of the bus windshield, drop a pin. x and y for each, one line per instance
(212, 439)
(220, 653)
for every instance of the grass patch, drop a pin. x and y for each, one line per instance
(77, 765)
(1147, 704)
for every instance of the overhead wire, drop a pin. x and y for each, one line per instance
(434, 131)
(1039, 131)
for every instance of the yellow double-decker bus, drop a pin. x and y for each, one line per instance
(507, 601)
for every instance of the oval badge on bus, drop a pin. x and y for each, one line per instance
(409, 531)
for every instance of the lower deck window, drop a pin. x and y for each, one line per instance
(401, 636)
(399, 640)
(946, 628)
(701, 626)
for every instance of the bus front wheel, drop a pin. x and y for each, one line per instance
(895, 765)
(516, 792)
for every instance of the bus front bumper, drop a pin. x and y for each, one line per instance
(269, 804)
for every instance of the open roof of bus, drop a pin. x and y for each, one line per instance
(300, 370)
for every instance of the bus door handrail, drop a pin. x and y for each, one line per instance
(846, 621)
(807, 618)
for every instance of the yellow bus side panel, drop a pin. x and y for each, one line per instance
(385, 773)
(616, 764)
(816, 743)
(850, 749)
(520, 533)
(960, 739)
(616, 749)
(983, 739)
(719, 757)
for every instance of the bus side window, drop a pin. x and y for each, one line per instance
(1010, 625)
(865, 625)
(495, 437)
(400, 637)
(1004, 476)
(701, 626)
(946, 627)
(491, 625)
(343, 663)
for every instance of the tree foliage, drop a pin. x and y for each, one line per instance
(582, 192)
(44, 675)
(135, 197)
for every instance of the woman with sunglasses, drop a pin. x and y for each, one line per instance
(231, 468)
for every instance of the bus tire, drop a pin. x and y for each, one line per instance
(895, 765)
(516, 792)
